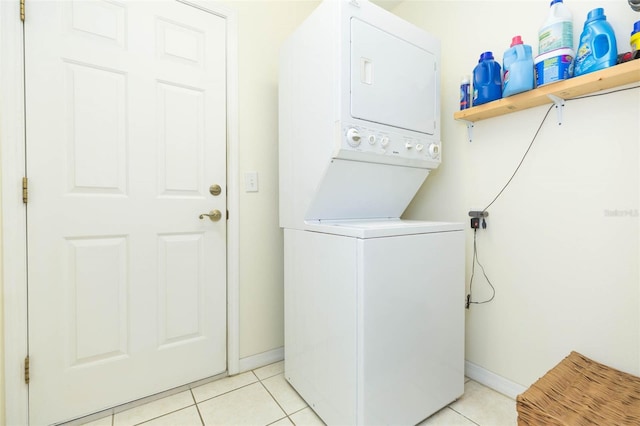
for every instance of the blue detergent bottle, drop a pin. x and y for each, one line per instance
(597, 48)
(487, 80)
(517, 68)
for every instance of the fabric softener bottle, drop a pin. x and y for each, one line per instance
(517, 68)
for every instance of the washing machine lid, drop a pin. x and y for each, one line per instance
(377, 228)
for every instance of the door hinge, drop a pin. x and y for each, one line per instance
(25, 190)
(227, 214)
(26, 369)
(22, 10)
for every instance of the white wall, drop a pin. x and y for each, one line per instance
(262, 25)
(565, 269)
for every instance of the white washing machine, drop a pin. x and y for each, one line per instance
(374, 305)
(374, 314)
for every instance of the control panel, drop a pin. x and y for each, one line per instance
(398, 146)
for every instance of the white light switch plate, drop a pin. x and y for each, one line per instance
(251, 181)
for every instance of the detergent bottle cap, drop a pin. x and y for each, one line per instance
(486, 56)
(636, 28)
(554, 2)
(516, 40)
(595, 14)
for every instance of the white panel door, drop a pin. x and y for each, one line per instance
(126, 131)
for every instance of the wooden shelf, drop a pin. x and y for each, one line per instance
(619, 75)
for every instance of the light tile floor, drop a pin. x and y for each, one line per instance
(263, 397)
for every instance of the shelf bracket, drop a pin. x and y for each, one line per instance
(469, 129)
(559, 103)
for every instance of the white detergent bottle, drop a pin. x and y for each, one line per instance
(557, 31)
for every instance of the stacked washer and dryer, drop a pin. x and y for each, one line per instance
(374, 304)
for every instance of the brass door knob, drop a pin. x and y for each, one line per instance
(213, 215)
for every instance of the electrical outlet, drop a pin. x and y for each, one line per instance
(251, 181)
(476, 215)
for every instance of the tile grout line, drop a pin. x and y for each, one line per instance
(459, 413)
(163, 415)
(258, 380)
(274, 398)
(288, 415)
(273, 375)
(298, 411)
(196, 404)
(226, 392)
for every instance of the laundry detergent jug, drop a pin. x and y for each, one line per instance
(487, 80)
(557, 30)
(597, 48)
(634, 41)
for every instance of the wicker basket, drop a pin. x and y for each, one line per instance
(579, 391)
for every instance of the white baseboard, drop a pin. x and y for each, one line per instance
(260, 360)
(492, 380)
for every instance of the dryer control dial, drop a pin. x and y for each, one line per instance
(434, 150)
(384, 141)
(353, 137)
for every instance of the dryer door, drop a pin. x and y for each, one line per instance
(393, 82)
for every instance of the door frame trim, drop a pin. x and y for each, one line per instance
(13, 229)
(14, 270)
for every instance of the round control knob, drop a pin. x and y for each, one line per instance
(371, 139)
(408, 145)
(434, 150)
(353, 137)
(419, 147)
(384, 141)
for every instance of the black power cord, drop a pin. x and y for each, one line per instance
(538, 131)
(521, 160)
(475, 260)
(473, 269)
(484, 223)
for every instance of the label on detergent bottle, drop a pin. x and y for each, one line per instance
(506, 77)
(553, 66)
(465, 99)
(584, 55)
(634, 41)
(555, 36)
